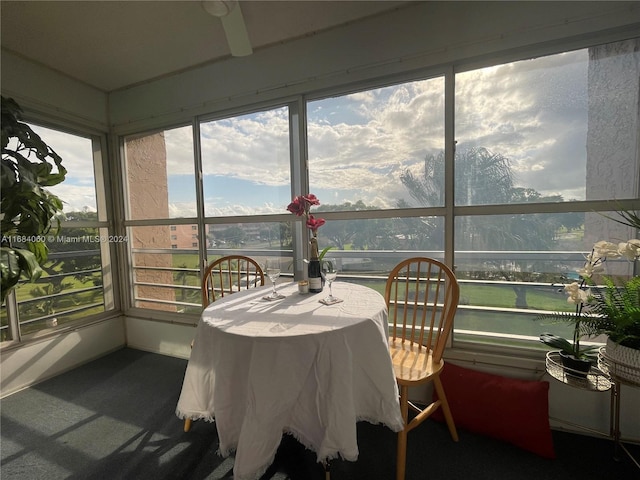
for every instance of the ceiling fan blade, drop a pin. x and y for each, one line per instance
(236, 32)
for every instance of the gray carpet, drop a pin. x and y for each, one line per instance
(114, 419)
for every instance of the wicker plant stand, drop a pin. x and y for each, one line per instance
(595, 380)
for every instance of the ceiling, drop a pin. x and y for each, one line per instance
(112, 45)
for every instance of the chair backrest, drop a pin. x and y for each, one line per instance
(422, 297)
(228, 275)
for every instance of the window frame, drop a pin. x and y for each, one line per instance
(104, 224)
(299, 168)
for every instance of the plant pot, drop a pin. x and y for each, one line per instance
(622, 362)
(576, 367)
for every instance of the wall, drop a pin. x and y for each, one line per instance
(52, 355)
(51, 94)
(160, 337)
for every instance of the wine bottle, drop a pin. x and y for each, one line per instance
(314, 274)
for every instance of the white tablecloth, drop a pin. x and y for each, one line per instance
(294, 365)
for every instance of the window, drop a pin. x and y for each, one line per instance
(246, 164)
(543, 129)
(538, 149)
(364, 148)
(554, 129)
(160, 175)
(160, 182)
(72, 287)
(529, 132)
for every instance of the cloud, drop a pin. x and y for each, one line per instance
(252, 147)
(534, 112)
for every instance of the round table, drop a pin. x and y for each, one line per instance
(263, 368)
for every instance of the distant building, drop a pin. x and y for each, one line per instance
(184, 236)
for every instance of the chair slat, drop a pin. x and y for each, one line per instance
(229, 274)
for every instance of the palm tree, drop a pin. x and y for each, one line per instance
(485, 178)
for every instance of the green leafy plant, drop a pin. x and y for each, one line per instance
(616, 312)
(324, 252)
(28, 209)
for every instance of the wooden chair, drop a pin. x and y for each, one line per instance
(225, 276)
(228, 275)
(422, 297)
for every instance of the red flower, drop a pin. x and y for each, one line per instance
(301, 205)
(314, 223)
(311, 199)
(298, 206)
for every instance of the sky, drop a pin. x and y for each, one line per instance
(533, 112)
(78, 191)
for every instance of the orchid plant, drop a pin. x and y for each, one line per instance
(609, 308)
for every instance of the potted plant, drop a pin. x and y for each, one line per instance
(28, 210)
(622, 351)
(610, 306)
(576, 359)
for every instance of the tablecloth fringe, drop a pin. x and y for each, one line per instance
(195, 416)
(326, 458)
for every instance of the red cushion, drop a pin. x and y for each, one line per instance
(516, 411)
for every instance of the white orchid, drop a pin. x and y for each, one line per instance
(630, 250)
(606, 249)
(576, 294)
(590, 268)
(602, 250)
(593, 265)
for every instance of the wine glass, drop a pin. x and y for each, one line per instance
(272, 267)
(329, 273)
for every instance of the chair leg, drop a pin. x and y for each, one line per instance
(401, 460)
(187, 424)
(444, 404)
(327, 469)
